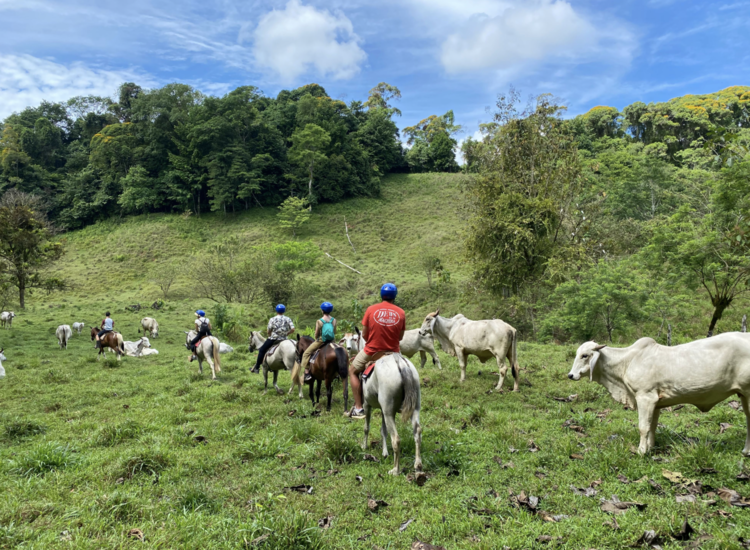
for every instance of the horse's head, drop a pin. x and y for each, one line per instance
(94, 332)
(253, 343)
(428, 323)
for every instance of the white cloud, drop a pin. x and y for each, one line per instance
(292, 41)
(26, 80)
(528, 32)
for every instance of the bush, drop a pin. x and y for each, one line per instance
(20, 429)
(47, 457)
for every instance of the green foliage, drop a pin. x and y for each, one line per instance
(293, 213)
(21, 429)
(432, 144)
(42, 459)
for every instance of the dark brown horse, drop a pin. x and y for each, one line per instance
(332, 361)
(111, 340)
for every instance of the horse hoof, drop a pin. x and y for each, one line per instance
(393, 472)
(385, 454)
(418, 466)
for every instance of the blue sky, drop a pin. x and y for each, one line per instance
(442, 54)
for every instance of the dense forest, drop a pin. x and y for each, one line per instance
(611, 222)
(176, 149)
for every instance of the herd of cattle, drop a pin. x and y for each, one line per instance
(645, 376)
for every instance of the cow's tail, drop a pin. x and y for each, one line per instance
(215, 349)
(343, 361)
(411, 388)
(515, 369)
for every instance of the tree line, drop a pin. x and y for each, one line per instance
(176, 149)
(611, 221)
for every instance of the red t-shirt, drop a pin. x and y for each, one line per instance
(386, 322)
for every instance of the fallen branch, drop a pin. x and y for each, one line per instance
(346, 228)
(342, 263)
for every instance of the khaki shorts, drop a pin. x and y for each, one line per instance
(360, 362)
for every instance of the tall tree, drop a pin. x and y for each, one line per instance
(308, 149)
(26, 244)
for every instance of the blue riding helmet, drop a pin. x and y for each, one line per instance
(327, 307)
(281, 308)
(201, 313)
(388, 291)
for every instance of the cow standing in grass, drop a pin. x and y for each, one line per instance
(150, 326)
(649, 377)
(2, 358)
(64, 334)
(78, 327)
(460, 337)
(6, 318)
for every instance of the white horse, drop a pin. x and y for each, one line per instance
(207, 350)
(2, 358)
(6, 318)
(78, 327)
(393, 386)
(283, 357)
(63, 333)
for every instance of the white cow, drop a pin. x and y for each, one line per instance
(411, 343)
(225, 348)
(140, 347)
(150, 326)
(78, 327)
(649, 377)
(2, 358)
(64, 334)
(460, 337)
(416, 340)
(6, 318)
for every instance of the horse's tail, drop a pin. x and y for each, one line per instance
(411, 388)
(215, 349)
(120, 344)
(296, 378)
(343, 361)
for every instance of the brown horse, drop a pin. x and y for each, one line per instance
(331, 361)
(111, 340)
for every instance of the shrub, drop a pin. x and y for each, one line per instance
(44, 458)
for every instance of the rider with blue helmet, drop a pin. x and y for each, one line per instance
(279, 327)
(325, 333)
(383, 328)
(202, 327)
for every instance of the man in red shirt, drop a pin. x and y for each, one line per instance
(383, 327)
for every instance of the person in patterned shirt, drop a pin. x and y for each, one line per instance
(279, 327)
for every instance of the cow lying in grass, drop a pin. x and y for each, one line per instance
(650, 377)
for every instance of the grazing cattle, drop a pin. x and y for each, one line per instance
(206, 350)
(78, 327)
(6, 318)
(648, 377)
(283, 357)
(393, 386)
(225, 348)
(416, 340)
(2, 358)
(150, 326)
(63, 333)
(460, 337)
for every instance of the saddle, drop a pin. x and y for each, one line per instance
(321, 348)
(370, 365)
(272, 349)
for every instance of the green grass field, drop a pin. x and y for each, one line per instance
(92, 450)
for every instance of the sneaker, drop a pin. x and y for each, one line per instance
(308, 378)
(193, 358)
(357, 413)
(255, 370)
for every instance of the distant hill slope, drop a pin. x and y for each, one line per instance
(112, 263)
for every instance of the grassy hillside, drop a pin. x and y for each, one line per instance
(90, 451)
(111, 264)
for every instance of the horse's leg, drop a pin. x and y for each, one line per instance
(345, 383)
(329, 391)
(265, 377)
(312, 392)
(317, 391)
(368, 412)
(384, 437)
(390, 423)
(417, 428)
(502, 369)
(275, 382)
(423, 357)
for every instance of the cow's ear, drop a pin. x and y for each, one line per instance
(437, 312)
(357, 329)
(600, 346)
